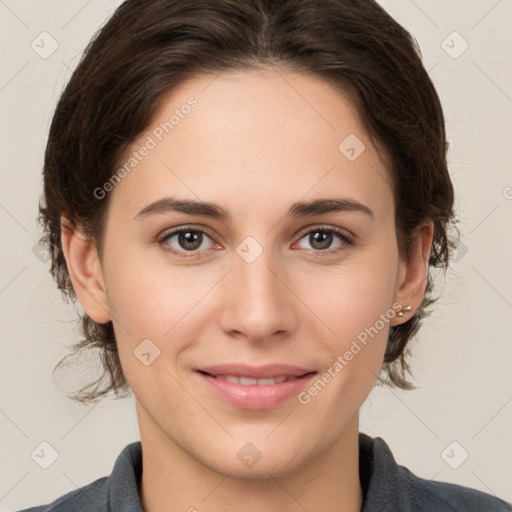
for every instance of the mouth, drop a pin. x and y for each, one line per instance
(252, 381)
(255, 388)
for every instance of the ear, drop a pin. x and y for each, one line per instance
(412, 274)
(85, 270)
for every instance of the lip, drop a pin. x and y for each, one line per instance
(256, 397)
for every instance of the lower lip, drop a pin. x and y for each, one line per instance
(256, 397)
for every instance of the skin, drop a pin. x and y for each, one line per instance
(257, 142)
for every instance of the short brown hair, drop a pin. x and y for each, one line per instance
(148, 47)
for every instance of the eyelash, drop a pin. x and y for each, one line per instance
(346, 239)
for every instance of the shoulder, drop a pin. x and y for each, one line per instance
(390, 486)
(119, 491)
(89, 498)
(444, 496)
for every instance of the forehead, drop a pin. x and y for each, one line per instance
(269, 135)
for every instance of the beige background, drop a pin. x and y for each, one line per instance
(462, 356)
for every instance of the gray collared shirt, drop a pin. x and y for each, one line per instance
(387, 487)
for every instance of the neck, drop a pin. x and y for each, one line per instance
(174, 481)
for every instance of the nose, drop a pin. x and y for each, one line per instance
(258, 303)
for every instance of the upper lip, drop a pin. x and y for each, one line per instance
(267, 371)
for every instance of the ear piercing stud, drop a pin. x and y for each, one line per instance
(404, 308)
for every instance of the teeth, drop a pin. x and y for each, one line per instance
(249, 381)
(266, 382)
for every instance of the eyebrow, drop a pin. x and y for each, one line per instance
(214, 211)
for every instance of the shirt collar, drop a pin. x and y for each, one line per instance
(124, 481)
(384, 483)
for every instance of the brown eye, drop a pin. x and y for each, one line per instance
(185, 240)
(321, 240)
(190, 240)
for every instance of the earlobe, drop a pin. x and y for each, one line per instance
(85, 270)
(412, 275)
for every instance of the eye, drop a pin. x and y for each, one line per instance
(321, 239)
(192, 240)
(185, 240)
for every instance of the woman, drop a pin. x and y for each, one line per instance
(246, 198)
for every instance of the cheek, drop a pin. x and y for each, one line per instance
(356, 306)
(156, 302)
(148, 294)
(360, 323)
(352, 299)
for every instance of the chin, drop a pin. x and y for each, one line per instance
(252, 463)
(260, 471)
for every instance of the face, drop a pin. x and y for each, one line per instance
(264, 281)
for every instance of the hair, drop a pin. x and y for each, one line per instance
(149, 47)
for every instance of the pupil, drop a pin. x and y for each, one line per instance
(188, 240)
(323, 238)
